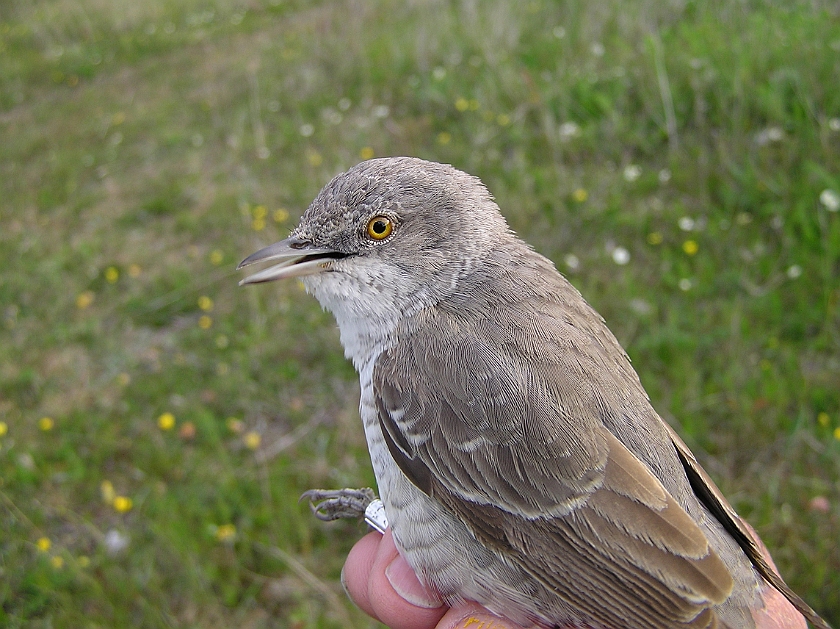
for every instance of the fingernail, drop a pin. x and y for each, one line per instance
(346, 590)
(344, 584)
(405, 583)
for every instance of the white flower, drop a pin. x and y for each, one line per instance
(664, 175)
(344, 104)
(640, 306)
(768, 135)
(830, 199)
(834, 124)
(572, 261)
(794, 271)
(632, 172)
(381, 111)
(686, 223)
(685, 284)
(597, 49)
(332, 116)
(115, 541)
(568, 130)
(620, 256)
(306, 130)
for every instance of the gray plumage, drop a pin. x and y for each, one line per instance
(520, 461)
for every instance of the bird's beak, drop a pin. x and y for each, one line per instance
(296, 258)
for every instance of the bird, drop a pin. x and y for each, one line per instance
(519, 459)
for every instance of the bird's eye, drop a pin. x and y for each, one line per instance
(379, 227)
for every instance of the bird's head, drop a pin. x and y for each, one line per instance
(386, 237)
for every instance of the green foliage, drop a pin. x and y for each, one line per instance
(677, 161)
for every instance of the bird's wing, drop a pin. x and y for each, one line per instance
(709, 494)
(504, 426)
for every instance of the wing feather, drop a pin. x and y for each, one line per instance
(527, 463)
(708, 492)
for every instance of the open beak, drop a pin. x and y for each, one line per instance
(295, 257)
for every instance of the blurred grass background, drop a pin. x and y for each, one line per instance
(680, 162)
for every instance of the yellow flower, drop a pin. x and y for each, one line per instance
(112, 274)
(83, 561)
(46, 424)
(225, 532)
(43, 544)
(252, 440)
(134, 270)
(837, 433)
(85, 299)
(823, 419)
(366, 152)
(580, 195)
(314, 158)
(204, 322)
(503, 120)
(216, 257)
(281, 215)
(106, 488)
(123, 504)
(4, 428)
(166, 421)
(258, 224)
(473, 104)
(118, 118)
(462, 104)
(690, 247)
(654, 238)
(444, 137)
(260, 211)
(205, 303)
(57, 562)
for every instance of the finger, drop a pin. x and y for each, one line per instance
(778, 612)
(356, 571)
(383, 585)
(396, 596)
(473, 616)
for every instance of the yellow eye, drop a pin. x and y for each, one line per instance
(379, 227)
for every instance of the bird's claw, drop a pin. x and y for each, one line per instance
(333, 504)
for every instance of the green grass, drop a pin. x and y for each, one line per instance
(157, 139)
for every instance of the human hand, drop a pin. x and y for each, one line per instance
(384, 586)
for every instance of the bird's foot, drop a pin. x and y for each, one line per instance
(333, 504)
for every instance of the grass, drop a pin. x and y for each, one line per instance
(148, 147)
